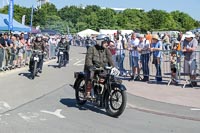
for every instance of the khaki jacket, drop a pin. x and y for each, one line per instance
(98, 58)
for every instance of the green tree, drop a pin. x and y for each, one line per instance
(71, 14)
(106, 18)
(161, 20)
(183, 20)
(18, 13)
(91, 9)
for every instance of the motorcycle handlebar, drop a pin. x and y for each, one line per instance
(101, 68)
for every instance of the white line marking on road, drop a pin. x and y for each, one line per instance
(78, 63)
(29, 116)
(56, 113)
(4, 106)
(195, 109)
(26, 118)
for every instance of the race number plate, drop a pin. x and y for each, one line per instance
(36, 58)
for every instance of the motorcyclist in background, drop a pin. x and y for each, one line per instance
(88, 42)
(97, 56)
(64, 44)
(38, 44)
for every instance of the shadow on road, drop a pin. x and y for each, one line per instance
(27, 75)
(83, 53)
(54, 66)
(88, 106)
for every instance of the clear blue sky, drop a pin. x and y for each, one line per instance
(192, 7)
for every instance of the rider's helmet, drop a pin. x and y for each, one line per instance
(101, 39)
(63, 38)
(38, 37)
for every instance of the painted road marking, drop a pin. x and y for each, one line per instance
(29, 116)
(195, 109)
(4, 106)
(56, 113)
(78, 63)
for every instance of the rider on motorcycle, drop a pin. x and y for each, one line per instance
(97, 56)
(39, 45)
(63, 44)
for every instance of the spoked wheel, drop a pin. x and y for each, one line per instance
(60, 62)
(80, 91)
(34, 70)
(116, 102)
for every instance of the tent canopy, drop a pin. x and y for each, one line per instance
(16, 25)
(111, 32)
(87, 32)
(50, 32)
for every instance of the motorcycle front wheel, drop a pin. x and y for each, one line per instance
(34, 70)
(116, 102)
(60, 61)
(80, 91)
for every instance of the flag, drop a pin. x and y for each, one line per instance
(10, 14)
(31, 17)
(23, 19)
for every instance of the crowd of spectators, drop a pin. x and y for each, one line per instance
(142, 47)
(16, 49)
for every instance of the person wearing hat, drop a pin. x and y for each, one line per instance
(156, 48)
(190, 44)
(144, 49)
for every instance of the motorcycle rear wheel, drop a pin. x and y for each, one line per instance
(60, 62)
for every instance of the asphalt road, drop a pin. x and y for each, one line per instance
(47, 105)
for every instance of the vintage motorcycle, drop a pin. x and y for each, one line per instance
(36, 59)
(62, 57)
(107, 90)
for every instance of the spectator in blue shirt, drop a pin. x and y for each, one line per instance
(156, 48)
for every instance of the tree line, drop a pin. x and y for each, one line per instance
(77, 18)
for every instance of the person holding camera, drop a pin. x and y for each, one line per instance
(156, 49)
(134, 56)
(144, 50)
(190, 44)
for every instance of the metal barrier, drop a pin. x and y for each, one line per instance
(52, 50)
(170, 69)
(7, 58)
(2, 59)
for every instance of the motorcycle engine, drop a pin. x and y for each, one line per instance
(98, 88)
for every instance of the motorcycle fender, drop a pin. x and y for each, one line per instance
(120, 86)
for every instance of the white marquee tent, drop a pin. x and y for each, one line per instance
(87, 32)
(111, 32)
